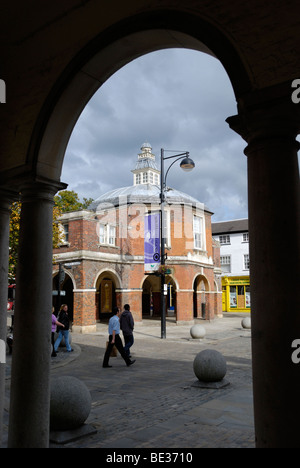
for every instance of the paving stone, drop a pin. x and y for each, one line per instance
(153, 403)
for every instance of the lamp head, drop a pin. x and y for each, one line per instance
(187, 164)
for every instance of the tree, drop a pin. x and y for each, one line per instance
(68, 200)
(14, 226)
(65, 201)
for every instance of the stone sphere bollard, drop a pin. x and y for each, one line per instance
(70, 403)
(210, 366)
(246, 323)
(197, 332)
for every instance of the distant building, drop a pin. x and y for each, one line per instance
(103, 254)
(233, 237)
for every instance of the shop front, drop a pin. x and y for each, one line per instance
(236, 294)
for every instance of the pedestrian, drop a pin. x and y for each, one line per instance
(127, 326)
(63, 331)
(55, 323)
(115, 340)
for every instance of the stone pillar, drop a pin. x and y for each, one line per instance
(6, 199)
(30, 380)
(185, 306)
(273, 186)
(84, 311)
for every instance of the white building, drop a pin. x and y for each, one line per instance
(235, 264)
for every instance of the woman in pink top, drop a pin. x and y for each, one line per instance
(55, 322)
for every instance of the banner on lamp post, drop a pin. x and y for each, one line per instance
(152, 242)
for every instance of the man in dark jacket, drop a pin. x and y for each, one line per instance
(127, 326)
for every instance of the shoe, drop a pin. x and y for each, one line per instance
(71, 351)
(106, 366)
(53, 355)
(130, 363)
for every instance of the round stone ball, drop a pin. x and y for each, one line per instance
(246, 322)
(70, 403)
(210, 366)
(197, 332)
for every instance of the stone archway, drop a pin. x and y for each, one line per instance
(107, 295)
(92, 66)
(34, 145)
(66, 295)
(104, 56)
(201, 304)
(151, 298)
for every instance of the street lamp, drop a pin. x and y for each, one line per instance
(187, 164)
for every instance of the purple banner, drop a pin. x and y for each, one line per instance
(152, 242)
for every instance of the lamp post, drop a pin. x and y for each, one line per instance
(187, 164)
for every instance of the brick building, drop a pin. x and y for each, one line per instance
(103, 254)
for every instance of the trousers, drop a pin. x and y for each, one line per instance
(119, 345)
(129, 340)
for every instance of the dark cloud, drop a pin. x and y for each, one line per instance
(176, 99)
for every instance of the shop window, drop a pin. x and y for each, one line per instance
(233, 298)
(248, 297)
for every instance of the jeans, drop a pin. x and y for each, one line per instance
(62, 334)
(128, 343)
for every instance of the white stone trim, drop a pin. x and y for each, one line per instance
(84, 290)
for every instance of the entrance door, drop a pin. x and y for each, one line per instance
(241, 297)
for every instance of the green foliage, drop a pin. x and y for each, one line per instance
(68, 200)
(65, 201)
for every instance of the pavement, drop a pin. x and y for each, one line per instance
(157, 402)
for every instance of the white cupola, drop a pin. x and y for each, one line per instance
(146, 170)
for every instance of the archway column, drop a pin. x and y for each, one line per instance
(273, 189)
(30, 379)
(84, 311)
(6, 199)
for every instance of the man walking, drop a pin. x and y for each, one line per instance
(127, 326)
(115, 340)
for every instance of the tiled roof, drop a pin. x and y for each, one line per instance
(227, 227)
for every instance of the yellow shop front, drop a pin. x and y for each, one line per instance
(236, 294)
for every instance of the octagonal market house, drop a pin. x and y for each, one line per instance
(102, 256)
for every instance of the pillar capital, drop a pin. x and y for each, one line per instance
(40, 188)
(269, 121)
(7, 197)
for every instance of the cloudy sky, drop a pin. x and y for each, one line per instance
(174, 99)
